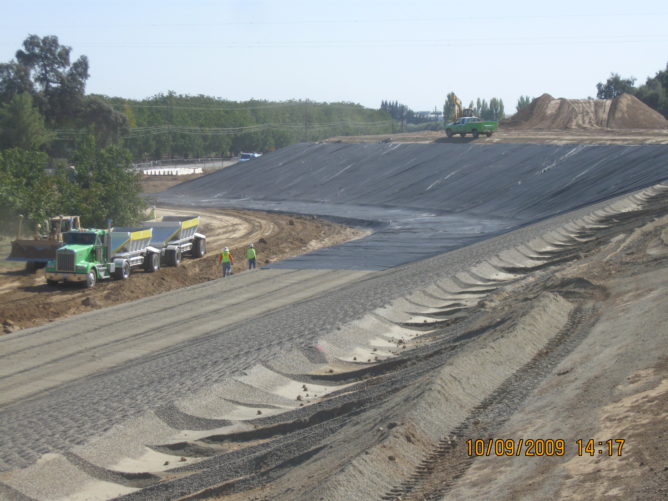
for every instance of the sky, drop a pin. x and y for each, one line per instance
(411, 51)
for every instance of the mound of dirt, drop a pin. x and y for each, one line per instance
(623, 112)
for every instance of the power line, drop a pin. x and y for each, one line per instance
(404, 43)
(295, 104)
(139, 132)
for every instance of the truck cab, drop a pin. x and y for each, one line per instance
(79, 259)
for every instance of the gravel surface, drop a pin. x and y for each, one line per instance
(206, 376)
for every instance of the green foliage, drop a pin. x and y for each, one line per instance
(449, 108)
(614, 86)
(494, 110)
(21, 124)
(654, 93)
(57, 84)
(171, 125)
(523, 102)
(25, 187)
(43, 70)
(103, 186)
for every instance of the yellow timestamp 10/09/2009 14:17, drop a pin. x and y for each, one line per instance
(543, 447)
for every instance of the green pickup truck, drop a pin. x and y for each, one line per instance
(470, 125)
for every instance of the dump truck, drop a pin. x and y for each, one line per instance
(177, 235)
(36, 252)
(471, 125)
(89, 255)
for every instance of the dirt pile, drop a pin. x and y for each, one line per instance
(623, 112)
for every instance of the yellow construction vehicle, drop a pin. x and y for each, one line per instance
(36, 252)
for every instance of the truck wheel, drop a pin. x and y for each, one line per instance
(462, 134)
(152, 262)
(122, 272)
(199, 247)
(91, 280)
(31, 267)
(174, 257)
(449, 133)
(475, 133)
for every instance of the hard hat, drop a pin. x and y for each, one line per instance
(226, 249)
(251, 246)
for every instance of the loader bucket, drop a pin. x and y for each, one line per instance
(39, 251)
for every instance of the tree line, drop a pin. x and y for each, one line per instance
(654, 92)
(492, 110)
(65, 151)
(42, 91)
(172, 125)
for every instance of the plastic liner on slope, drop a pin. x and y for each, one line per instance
(425, 199)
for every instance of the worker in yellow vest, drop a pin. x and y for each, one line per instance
(251, 255)
(226, 259)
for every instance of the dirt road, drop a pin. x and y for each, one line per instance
(27, 301)
(533, 136)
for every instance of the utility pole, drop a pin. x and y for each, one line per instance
(306, 120)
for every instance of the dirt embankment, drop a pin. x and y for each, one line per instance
(525, 135)
(27, 301)
(567, 351)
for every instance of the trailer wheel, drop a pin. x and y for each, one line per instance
(31, 266)
(152, 262)
(91, 280)
(462, 134)
(199, 247)
(51, 282)
(174, 257)
(475, 133)
(122, 272)
(448, 132)
(489, 134)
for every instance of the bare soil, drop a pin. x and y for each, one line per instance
(27, 301)
(622, 112)
(507, 134)
(602, 377)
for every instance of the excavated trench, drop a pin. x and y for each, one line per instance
(385, 399)
(423, 199)
(406, 412)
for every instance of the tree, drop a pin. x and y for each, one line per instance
(495, 110)
(21, 124)
(25, 186)
(654, 92)
(107, 124)
(57, 84)
(104, 186)
(14, 79)
(523, 102)
(450, 108)
(614, 86)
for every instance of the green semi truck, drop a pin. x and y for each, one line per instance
(89, 255)
(471, 125)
